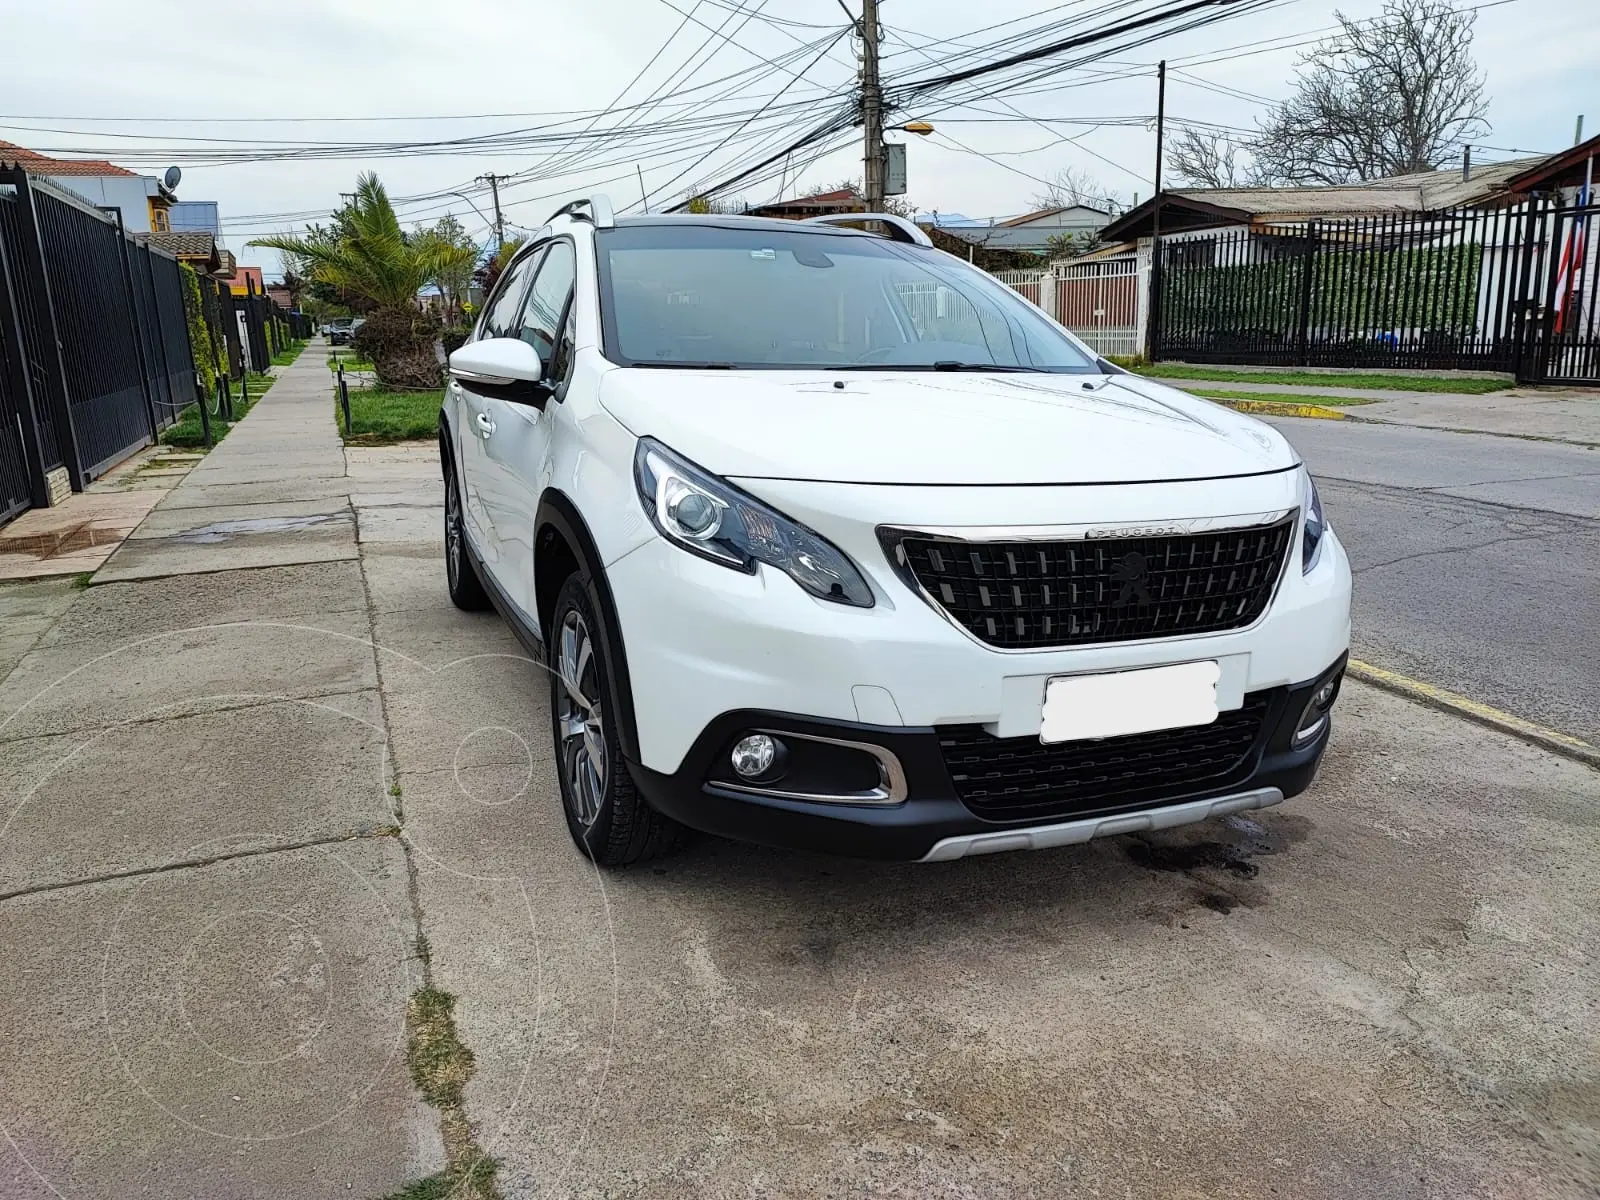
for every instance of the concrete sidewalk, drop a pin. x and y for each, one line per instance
(1557, 416)
(209, 926)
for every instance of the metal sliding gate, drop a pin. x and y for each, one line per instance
(95, 357)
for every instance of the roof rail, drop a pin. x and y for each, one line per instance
(900, 229)
(595, 209)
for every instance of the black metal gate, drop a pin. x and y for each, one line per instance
(28, 358)
(16, 491)
(95, 357)
(1567, 350)
(1439, 290)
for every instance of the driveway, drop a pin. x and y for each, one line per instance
(264, 784)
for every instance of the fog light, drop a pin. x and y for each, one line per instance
(1315, 716)
(753, 755)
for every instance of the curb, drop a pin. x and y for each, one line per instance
(1278, 408)
(1552, 740)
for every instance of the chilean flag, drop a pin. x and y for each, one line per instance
(1571, 258)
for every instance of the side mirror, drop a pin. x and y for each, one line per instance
(508, 368)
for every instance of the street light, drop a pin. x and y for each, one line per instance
(894, 157)
(473, 207)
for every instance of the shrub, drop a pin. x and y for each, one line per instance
(200, 347)
(453, 337)
(399, 342)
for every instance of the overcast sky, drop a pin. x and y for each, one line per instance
(183, 71)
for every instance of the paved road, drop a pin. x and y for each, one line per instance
(1477, 561)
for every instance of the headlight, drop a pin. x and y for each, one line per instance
(712, 518)
(1316, 527)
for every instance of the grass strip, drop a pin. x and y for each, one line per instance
(1380, 381)
(288, 354)
(379, 416)
(440, 1066)
(1280, 397)
(188, 432)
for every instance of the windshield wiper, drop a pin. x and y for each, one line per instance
(688, 366)
(948, 364)
(942, 365)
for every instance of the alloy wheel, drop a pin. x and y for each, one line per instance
(580, 719)
(452, 529)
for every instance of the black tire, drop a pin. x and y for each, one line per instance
(466, 589)
(608, 819)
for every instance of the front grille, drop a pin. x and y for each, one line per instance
(1028, 595)
(1022, 778)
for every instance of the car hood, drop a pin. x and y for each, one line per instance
(940, 427)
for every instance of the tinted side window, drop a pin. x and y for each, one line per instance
(500, 319)
(547, 300)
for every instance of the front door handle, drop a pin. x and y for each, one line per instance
(485, 425)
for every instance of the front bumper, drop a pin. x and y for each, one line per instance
(933, 823)
(702, 641)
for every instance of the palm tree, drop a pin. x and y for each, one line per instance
(371, 257)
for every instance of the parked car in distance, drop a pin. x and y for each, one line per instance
(832, 541)
(339, 330)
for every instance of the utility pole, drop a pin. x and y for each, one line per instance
(499, 224)
(1153, 326)
(871, 105)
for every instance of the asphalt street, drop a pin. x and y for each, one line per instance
(1476, 560)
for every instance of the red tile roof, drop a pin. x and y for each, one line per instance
(846, 193)
(42, 164)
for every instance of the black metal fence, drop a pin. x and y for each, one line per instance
(1458, 289)
(95, 355)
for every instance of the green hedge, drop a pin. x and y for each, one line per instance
(200, 347)
(1355, 291)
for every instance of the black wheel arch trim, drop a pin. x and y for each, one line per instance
(557, 510)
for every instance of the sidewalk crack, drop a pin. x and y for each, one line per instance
(188, 864)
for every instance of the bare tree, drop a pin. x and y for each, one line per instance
(1388, 96)
(1070, 186)
(1208, 158)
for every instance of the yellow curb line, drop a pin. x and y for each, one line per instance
(1278, 408)
(1553, 740)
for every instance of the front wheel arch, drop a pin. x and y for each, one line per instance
(563, 545)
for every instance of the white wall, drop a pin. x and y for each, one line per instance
(128, 192)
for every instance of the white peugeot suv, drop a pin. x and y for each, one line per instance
(832, 541)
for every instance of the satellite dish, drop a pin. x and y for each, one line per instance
(171, 177)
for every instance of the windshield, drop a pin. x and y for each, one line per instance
(719, 296)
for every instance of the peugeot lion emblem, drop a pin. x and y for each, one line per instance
(1133, 573)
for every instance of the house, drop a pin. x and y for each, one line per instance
(195, 216)
(1040, 232)
(1451, 268)
(196, 250)
(247, 281)
(1211, 209)
(142, 199)
(819, 204)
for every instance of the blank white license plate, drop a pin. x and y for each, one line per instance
(1122, 702)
